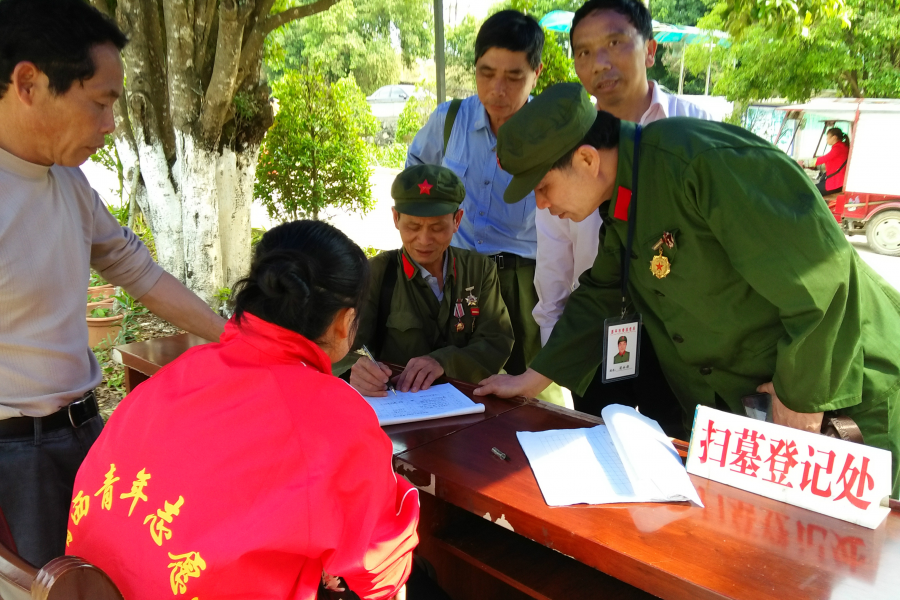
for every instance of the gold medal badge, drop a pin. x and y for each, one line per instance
(659, 265)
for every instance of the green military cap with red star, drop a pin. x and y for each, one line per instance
(427, 191)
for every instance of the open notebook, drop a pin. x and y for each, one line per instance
(629, 459)
(436, 402)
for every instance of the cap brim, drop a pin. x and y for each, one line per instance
(524, 183)
(426, 209)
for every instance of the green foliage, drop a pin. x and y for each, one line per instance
(256, 234)
(101, 313)
(113, 373)
(108, 157)
(389, 155)
(221, 299)
(679, 12)
(245, 107)
(370, 251)
(459, 48)
(862, 59)
(413, 116)
(785, 17)
(537, 8)
(356, 38)
(314, 156)
(96, 279)
(558, 67)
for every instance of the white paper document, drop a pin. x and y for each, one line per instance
(436, 402)
(630, 459)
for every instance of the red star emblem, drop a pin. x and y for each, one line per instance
(425, 187)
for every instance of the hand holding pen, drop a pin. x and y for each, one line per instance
(371, 378)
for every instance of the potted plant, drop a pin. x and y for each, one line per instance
(98, 289)
(104, 323)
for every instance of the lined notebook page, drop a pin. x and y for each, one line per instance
(436, 402)
(577, 466)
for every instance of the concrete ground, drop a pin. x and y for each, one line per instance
(374, 229)
(886, 266)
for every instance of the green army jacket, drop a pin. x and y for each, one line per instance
(419, 325)
(763, 284)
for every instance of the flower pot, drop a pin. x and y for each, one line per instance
(101, 291)
(103, 331)
(106, 303)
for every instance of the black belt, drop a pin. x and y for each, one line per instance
(508, 260)
(74, 415)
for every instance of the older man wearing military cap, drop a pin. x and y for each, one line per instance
(744, 283)
(431, 307)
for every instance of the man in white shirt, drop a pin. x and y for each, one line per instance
(60, 74)
(613, 45)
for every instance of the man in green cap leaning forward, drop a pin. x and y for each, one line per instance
(744, 282)
(431, 307)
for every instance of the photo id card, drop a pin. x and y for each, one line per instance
(621, 343)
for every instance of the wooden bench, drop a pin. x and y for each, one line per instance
(63, 578)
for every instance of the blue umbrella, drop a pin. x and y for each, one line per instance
(558, 20)
(561, 21)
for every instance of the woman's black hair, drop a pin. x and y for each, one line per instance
(604, 133)
(57, 36)
(303, 273)
(839, 134)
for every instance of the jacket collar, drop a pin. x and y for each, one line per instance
(411, 267)
(621, 197)
(281, 344)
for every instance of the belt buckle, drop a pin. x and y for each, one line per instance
(81, 401)
(498, 258)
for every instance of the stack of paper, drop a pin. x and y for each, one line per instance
(630, 459)
(434, 403)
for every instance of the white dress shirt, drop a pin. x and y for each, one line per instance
(566, 249)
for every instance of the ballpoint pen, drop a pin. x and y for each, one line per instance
(372, 358)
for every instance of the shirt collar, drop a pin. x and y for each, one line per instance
(28, 170)
(284, 345)
(659, 103)
(410, 265)
(481, 120)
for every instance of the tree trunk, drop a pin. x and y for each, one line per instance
(177, 128)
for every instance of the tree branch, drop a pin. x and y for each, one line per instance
(251, 55)
(184, 92)
(220, 92)
(145, 75)
(204, 14)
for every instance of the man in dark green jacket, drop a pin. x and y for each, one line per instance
(759, 289)
(433, 308)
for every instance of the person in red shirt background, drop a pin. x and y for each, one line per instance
(244, 469)
(835, 162)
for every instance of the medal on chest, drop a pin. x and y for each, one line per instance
(472, 301)
(659, 264)
(459, 312)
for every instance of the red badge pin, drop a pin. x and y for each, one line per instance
(425, 187)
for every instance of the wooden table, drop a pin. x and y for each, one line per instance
(739, 546)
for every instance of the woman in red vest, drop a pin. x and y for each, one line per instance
(835, 162)
(244, 469)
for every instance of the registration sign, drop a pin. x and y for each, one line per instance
(840, 479)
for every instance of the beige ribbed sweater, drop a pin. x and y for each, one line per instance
(53, 228)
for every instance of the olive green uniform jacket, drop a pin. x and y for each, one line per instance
(419, 325)
(763, 285)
